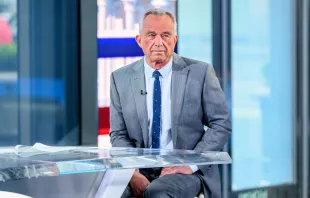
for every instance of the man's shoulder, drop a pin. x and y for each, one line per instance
(193, 63)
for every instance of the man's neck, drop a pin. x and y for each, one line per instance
(158, 65)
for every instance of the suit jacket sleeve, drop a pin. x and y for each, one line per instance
(215, 113)
(118, 131)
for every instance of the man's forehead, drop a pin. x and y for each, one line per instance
(156, 23)
(165, 19)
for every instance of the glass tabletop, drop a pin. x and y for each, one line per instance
(37, 161)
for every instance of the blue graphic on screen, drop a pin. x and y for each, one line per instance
(262, 93)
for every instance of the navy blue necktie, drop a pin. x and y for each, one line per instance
(156, 111)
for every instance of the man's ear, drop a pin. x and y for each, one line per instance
(175, 39)
(138, 40)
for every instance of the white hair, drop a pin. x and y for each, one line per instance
(157, 12)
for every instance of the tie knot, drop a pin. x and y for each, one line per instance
(156, 74)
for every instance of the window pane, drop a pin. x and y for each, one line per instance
(38, 72)
(262, 93)
(48, 83)
(195, 29)
(8, 73)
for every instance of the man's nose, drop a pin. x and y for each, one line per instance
(158, 41)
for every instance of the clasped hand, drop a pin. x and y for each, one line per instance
(139, 182)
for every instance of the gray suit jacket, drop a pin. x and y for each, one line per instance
(196, 100)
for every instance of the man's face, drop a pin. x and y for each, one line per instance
(157, 39)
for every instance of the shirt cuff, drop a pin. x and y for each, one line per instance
(194, 168)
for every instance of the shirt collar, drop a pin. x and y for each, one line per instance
(164, 71)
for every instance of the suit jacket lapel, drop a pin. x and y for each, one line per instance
(138, 84)
(179, 78)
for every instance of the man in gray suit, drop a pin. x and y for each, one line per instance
(164, 101)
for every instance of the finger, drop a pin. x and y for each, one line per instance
(183, 170)
(139, 191)
(166, 168)
(167, 172)
(164, 172)
(177, 169)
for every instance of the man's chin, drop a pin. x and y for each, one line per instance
(159, 59)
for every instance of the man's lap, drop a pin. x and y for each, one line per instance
(173, 185)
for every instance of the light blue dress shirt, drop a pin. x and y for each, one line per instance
(165, 84)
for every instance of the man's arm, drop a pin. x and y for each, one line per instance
(118, 131)
(216, 115)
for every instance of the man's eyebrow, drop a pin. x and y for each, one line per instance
(166, 33)
(148, 32)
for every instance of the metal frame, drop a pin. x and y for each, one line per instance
(217, 38)
(305, 97)
(24, 58)
(221, 27)
(88, 55)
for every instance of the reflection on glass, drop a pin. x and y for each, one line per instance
(27, 162)
(195, 29)
(262, 92)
